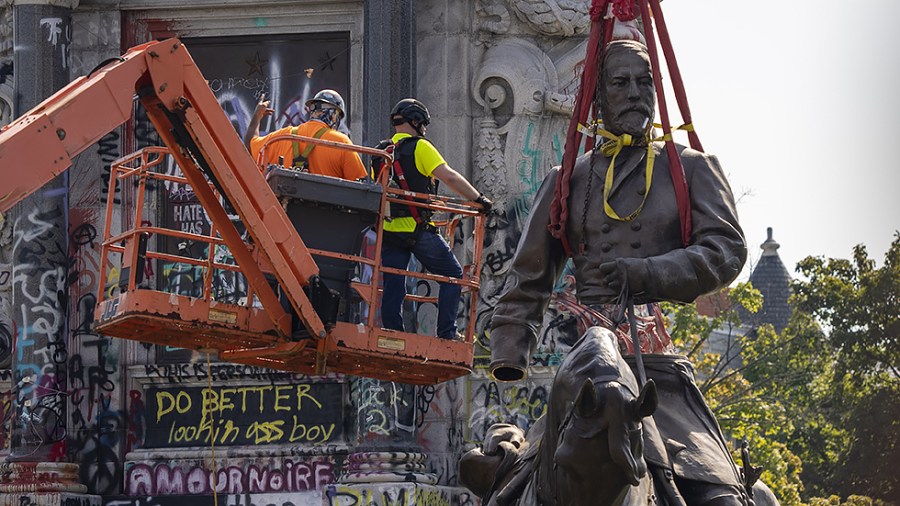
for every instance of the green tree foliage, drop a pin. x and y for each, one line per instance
(858, 306)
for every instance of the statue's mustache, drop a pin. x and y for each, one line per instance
(640, 110)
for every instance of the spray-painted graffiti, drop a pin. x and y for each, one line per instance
(43, 498)
(183, 212)
(312, 498)
(6, 407)
(165, 500)
(6, 333)
(383, 408)
(184, 279)
(96, 421)
(493, 402)
(6, 341)
(198, 371)
(388, 494)
(308, 413)
(288, 475)
(39, 307)
(108, 151)
(59, 35)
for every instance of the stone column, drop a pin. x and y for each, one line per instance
(42, 33)
(390, 63)
(385, 410)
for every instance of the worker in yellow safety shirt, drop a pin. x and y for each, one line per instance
(409, 230)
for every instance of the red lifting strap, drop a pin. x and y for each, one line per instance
(674, 73)
(676, 168)
(602, 29)
(559, 207)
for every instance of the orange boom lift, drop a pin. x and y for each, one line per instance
(214, 163)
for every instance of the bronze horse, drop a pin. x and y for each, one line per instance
(586, 450)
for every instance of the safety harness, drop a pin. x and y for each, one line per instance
(404, 154)
(301, 160)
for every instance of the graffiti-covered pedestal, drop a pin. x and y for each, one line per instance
(240, 432)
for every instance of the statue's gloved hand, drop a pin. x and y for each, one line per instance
(502, 433)
(612, 275)
(487, 469)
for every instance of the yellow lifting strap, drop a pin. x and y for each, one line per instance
(612, 148)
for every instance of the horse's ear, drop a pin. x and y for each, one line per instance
(645, 404)
(587, 404)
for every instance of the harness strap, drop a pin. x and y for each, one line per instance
(401, 179)
(636, 343)
(301, 157)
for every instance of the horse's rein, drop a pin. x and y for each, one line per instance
(626, 303)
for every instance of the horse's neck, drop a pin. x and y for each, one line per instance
(640, 495)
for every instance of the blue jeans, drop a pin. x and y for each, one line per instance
(434, 253)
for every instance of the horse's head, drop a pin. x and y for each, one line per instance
(594, 437)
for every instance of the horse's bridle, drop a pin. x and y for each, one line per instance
(600, 380)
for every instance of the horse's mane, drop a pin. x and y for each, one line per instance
(595, 356)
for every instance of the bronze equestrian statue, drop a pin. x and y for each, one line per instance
(588, 447)
(644, 253)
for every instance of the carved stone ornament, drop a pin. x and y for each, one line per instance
(6, 34)
(554, 17)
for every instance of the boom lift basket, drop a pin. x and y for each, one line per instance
(332, 217)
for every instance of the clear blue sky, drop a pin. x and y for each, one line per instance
(799, 99)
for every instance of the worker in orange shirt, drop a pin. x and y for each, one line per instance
(325, 111)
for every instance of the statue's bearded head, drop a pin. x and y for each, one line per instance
(627, 94)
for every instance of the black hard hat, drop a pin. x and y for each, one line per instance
(411, 110)
(330, 97)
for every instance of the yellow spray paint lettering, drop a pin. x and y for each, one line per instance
(303, 393)
(318, 433)
(265, 432)
(166, 402)
(279, 397)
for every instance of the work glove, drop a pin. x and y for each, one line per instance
(485, 202)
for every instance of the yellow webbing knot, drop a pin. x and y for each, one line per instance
(612, 148)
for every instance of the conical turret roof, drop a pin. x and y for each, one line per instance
(772, 279)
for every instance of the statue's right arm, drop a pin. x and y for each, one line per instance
(536, 265)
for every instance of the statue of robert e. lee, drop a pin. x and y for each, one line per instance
(626, 229)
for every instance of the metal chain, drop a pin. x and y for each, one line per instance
(587, 196)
